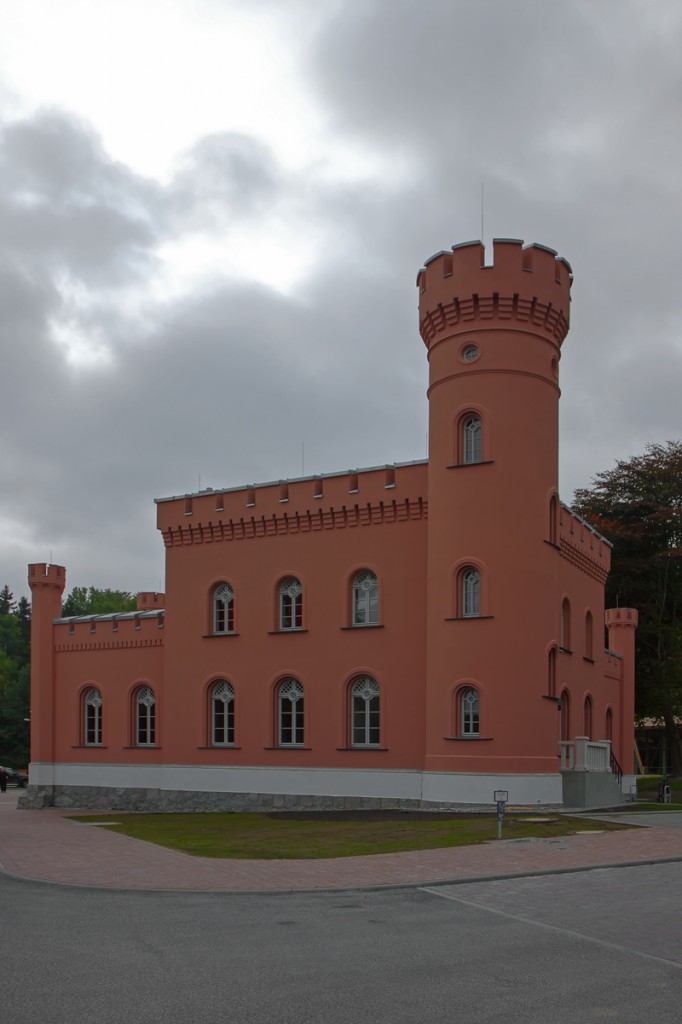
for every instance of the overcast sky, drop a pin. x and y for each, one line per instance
(212, 213)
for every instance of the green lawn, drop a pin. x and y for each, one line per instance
(275, 836)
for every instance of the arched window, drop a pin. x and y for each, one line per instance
(551, 673)
(290, 604)
(92, 717)
(145, 717)
(609, 725)
(290, 713)
(223, 609)
(365, 712)
(566, 624)
(471, 440)
(589, 630)
(365, 599)
(222, 714)
(469, 712)
(565, 723)
(587, 718)
(553, 519)
(471, 593)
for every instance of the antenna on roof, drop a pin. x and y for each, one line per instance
(302, 458)
(482, 234)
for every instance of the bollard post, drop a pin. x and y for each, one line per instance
(500, 796)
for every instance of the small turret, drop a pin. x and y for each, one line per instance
(47, 584)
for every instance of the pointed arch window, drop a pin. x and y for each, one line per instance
(551, 673)
(365, 712)
(222, 714)
(365, 599)
(587, 718)
(469, 712)
(92, 717)
(223, 609)
(145, 717)
(471, 440)
(290, 604)
(290, 704)
(609, 724)
(565, 716)
(471, 593)
(566, 624)
(589, 631)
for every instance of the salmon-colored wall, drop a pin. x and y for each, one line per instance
(416, 526)
(363, 530)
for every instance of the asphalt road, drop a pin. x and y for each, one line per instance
(594, 946)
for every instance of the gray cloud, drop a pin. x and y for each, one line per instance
(570, 113)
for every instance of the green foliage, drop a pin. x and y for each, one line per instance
(15, 674)
(637, 505)
(93, 601)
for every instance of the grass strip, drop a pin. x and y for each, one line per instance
(271, 837)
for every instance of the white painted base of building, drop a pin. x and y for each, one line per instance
(324, 788)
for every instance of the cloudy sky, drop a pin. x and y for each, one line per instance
(211, 217)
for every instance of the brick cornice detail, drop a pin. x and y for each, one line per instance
(502, 308)
(297, 522)
(107, 645)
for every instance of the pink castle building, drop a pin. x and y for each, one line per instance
(420, 634)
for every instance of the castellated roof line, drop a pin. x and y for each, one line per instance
(527, 252)
(291, 480)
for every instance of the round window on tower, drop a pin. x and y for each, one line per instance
(470, 353)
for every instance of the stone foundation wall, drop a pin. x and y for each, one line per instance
(101, 798)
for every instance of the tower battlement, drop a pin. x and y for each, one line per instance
(527, 284)
(42, 574)
(627, 618)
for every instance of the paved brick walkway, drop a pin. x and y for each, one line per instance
(45, 846)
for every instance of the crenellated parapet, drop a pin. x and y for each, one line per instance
(112, 631)
(580, 544)
(625, 618)
(356, 498)
(526, 285)
(43, 576)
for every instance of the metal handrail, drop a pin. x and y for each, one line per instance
(616, 768)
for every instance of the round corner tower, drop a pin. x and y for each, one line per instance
(494, 336)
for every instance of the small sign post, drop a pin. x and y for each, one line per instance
(501, 796)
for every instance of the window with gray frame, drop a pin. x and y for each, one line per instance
(145, 717)
(290, 604)
(365, 599)
(290, 703)
(92, 706)
(365, 712)
(222, 714)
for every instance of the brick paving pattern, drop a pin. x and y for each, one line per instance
(45, 846)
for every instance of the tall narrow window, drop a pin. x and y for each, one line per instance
(565, 711)
(223, 609)
(566, 624)
(92, 707)
(589, 630)
(553, 517)
(290, 707)
(145, 717)
(471, 440)
(587, 718)
(551, 673)
(609, 724)
(290, 604)
(365, 712)
(222, 714)
(469, 713)
(365, 599)
(471, 593)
